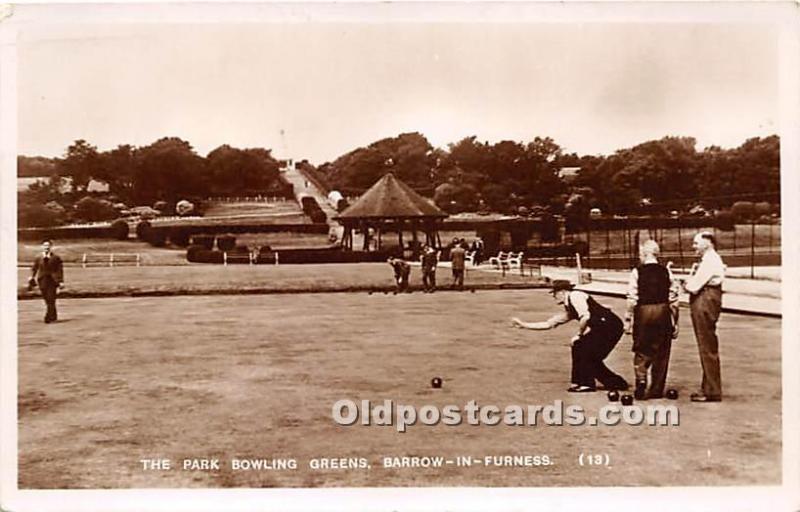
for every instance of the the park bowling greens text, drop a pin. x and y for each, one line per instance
(386, 413)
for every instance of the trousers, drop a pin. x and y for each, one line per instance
(652, 344)
(706, 306)
(589, 352)
(49, 288)
(429, 279)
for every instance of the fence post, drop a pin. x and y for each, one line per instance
(111, 260)
(752, 249)
(225, 258)
(83, 261)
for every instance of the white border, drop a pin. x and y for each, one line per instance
(784, 15)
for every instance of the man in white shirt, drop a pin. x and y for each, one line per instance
(705, 290)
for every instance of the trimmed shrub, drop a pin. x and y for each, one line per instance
(725, 221)
(226, 242)
(743, 211)
(120, 229)
(318, 217)
(92, 209)
(205, 241)
(143, 229)
(157, 237)
(178, 236)
(198, 254)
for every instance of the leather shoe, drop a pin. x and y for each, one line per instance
(581, 389)
(697, 397)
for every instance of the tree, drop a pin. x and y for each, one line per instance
(238, 171)
(119, 168)
(169, 170)
(81, 163)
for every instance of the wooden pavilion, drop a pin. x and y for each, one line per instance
(391, 206)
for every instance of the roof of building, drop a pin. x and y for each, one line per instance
(391, 198)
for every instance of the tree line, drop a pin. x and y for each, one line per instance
(654, 177)
(163, 173)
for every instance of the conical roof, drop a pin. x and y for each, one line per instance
(390, 197)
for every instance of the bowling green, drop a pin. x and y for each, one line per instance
(117, 380)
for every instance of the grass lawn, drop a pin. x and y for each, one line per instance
(210, 278)
(118, 380)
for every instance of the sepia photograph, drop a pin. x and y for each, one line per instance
(532, 250)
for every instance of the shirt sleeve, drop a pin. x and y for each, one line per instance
(702, 275)
(558, 319)
(674, 289)
(633, 293)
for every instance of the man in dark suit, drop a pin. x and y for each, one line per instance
(48, 275)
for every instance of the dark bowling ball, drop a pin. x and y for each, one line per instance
(436, 382)
(369, 293)
(472, 290)
(672, 394)
(613, 396)
(626, 399)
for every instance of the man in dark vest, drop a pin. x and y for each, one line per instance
(652, 318)
(48, 274)
(429, 260)
(599, 330)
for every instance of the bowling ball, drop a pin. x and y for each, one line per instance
(472, 290)
(613, 396)
(369, 293)
(436, 382)
(672, 394)
(626, 399)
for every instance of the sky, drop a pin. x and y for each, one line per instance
(318, 90)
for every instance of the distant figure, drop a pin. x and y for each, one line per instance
(705, 300)
(48, 274)
(477, 247)
(429, 260)
(457, 260)
(599, 330)
(652, 318)
(402, 273)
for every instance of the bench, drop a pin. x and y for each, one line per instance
(93, 259)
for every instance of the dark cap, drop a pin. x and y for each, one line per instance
(560, 285)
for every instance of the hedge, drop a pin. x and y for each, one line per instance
(226, 242)
(68, 232)
(199, 254)
(120, 229)
(178, 237)
(204, 241)
(142, 230)
(216, 229)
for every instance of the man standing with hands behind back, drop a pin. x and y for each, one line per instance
(705, 289)
(48, 274)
